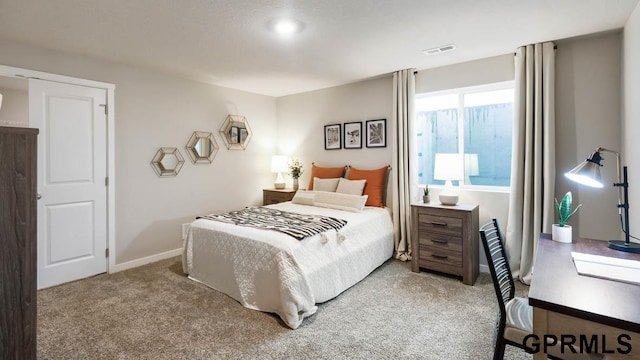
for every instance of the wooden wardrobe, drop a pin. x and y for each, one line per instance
(18, 243)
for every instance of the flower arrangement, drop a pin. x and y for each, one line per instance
(295, 169)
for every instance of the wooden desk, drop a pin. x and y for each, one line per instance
(565, 303)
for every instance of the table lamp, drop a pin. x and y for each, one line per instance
(279, 165)
(448, 167)
(588, 173)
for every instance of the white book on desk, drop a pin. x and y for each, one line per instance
(606, 267)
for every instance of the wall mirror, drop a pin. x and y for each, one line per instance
(167, 162)
(202, 147)
(236, 132)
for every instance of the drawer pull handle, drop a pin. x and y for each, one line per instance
(435, 223)
(439, 241)
(443, 257)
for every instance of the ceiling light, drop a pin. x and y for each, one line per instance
(439, 49)
(286, 27)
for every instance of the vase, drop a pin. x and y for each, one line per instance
(295, 183)
(425, 199)
(561, 233)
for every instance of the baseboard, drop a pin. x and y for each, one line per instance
(484, 268)
(144, 261)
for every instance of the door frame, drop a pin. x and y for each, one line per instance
(111, 167)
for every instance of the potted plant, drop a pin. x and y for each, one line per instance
(425, 196)
(561, 232)
(295, 170)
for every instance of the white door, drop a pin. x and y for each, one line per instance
(72, 170)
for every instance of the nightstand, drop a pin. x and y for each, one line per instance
(274, 196)
(445, 239)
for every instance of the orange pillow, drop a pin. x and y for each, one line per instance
(324, 173)
(375, 186)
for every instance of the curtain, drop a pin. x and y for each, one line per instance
(531, 204)
(404, 148)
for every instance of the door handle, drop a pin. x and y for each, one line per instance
(38, 196)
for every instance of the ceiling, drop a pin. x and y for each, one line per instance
(229, 43)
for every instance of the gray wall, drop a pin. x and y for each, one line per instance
(588, 98)
(631, 115)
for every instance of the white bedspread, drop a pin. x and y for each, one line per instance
(273, 272)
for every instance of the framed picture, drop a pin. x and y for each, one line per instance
(332, 137)
(376, 133)
(353, 135)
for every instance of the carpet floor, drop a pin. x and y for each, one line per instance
(155, 312)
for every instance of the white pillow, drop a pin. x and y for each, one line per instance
(352, 187)
(335, 200)
(325, 184)
(303, 197)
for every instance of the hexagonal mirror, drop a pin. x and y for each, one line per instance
(167, 162)
(236, 132)
(202, 147)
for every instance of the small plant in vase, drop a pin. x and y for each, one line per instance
(561, 231)
(295, 170)
(425, 195)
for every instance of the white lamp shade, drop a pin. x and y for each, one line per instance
(448, 167)
(279, 163)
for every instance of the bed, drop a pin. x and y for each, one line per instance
(273, 272)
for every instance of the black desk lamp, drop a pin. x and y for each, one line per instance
(588, 173)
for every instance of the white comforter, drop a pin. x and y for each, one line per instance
(273, 272)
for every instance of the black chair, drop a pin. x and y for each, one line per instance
(515, 320)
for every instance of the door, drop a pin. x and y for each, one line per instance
(72, 171)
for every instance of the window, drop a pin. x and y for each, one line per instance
(474, 122)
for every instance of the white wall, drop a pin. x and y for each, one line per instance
(301, 120)
(631, 115)
(588, 102)
(152, 110)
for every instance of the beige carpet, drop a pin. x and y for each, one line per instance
(155, 312)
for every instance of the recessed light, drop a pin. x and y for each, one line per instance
(286, 27)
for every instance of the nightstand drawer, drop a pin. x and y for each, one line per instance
(430, 256)
(275, 198)
(441, 241)
(439, 224)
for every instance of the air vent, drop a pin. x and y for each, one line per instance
(440, 49)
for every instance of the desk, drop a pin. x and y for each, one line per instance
(566, 303)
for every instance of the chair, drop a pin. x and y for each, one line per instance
(515, 319)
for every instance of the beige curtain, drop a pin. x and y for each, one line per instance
(403, 167)
(531, 206)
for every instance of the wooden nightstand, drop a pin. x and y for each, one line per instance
(445, 239)
(274, 196)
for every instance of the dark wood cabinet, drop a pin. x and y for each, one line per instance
(445, 239)
(18, 245)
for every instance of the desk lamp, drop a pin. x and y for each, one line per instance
(279, 165)
(448, 167)
(588, 173)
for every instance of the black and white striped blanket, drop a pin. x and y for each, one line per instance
(297, 225)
